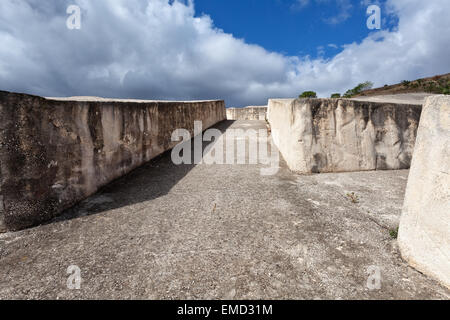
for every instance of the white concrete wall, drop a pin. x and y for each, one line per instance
(341, 135)
(424, 236)
(247, 113)
(56, 152)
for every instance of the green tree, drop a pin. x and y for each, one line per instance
(308, 94)
(335, 95)
(358, 89)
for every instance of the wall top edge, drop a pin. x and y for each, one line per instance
(357, 102)
(249, 107)
(100, 99)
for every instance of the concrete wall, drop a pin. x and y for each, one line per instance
(338, 135)
(424, 236)
(248, 113)
(56, 153)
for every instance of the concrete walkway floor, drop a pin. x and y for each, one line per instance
(221, 232)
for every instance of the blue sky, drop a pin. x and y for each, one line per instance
(244, 52)
(288, 27)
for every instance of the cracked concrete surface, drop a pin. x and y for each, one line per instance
(220, 232)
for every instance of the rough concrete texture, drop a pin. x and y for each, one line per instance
(341, 135)
(247, 113)
(425, 225)
(403, 98)
(101, 99)
(54, 153)
(220, 232)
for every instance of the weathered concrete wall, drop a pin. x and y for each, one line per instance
(248, 113)
(56, 153)
(424, 236)
(338, 135)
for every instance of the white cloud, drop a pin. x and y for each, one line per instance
(344, 11)
(161, 50)
(343, 7)
(300, 4)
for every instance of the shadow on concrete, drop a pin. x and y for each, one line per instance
(150, 181)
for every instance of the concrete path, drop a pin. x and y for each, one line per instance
(221, 232)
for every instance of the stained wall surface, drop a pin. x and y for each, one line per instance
(341, 135)
(54, 153)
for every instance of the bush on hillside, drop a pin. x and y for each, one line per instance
(406, 83)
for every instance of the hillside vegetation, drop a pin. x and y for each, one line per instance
(438, 84)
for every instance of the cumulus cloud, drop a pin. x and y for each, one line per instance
(160, 49)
